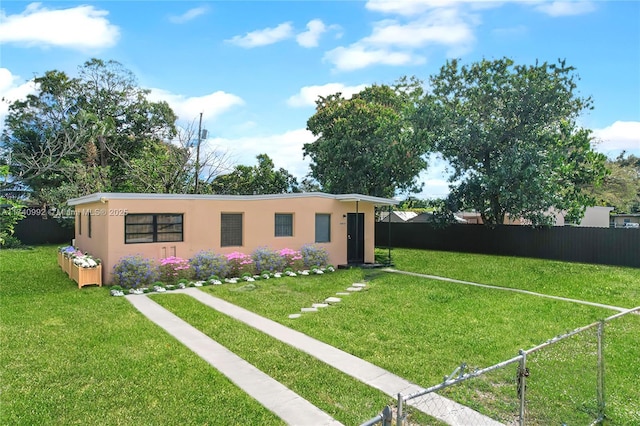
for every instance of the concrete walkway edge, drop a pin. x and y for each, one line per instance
(276, 397)
(439, 407)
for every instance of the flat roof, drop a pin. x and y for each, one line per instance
(105, 196)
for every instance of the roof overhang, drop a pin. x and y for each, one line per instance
(106, 196)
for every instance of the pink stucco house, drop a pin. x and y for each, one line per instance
(112, 225)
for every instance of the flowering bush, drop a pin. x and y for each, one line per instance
(85, 261)
(206, 264)
(134, 271)
(267, 260)
(239, 264)
(314, 256)
(67, 250)
(174, 269)
(292, 259)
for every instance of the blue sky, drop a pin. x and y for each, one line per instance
(254, 69)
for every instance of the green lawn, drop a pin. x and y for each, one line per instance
(75, 356)
(421, 329)
(594, 283)
(339, 395)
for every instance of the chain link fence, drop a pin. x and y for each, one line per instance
(560, 382)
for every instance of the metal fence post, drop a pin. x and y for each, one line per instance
(387, 416)
(600, 385)
(399, 415)
(522, 385)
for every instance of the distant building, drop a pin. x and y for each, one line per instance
(397, 216)
(625, 220)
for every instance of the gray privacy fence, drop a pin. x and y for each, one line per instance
(43, 230)
(559, 382)
(608, 246)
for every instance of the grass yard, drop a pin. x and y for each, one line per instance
(75, 356)
(344, 398)
(610, 285)
(422, 329)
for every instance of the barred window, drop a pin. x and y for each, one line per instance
(323, 228)
(152, 228)
(230, 229)
(89, 224)
(284, 225)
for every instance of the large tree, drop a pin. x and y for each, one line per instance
(80, 135)
(368, 144)
(509, 132)
(621, 187)
(262, 178)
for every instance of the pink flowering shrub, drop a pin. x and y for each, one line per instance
(292, 259)
(174, 269)
(240, 264)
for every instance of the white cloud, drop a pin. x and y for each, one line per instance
(407, 7)
(189, 108)
(435, 178)
(566, 8)
(264, 37)
(308, 95)
(12, 89)
(81, 27)
(424, 24)
(510, 32)
(359, 56)
(189, 15)
(309, 38)
(284, 149)
(442, 27)
(621, 135)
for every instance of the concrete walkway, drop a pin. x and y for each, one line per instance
(439, 407)
(514, 290)
(279, 399)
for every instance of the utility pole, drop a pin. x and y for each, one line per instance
(198, 154)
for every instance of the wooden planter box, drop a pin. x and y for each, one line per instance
(86, 276)
(60, 259)
(67, 264)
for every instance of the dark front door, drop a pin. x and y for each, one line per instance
(355, 238)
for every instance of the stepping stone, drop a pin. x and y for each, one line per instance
(332, 300)
(358, 285)
(342, 294)
(354, 289)
(309, 309)
(320, 305)
(292, 316)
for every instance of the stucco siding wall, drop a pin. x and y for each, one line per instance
(201, 227)
(96, 244)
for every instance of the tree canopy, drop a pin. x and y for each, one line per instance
(620, 189)
(509, 132)
(262, 178)
(368, 144)
(80, 135)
